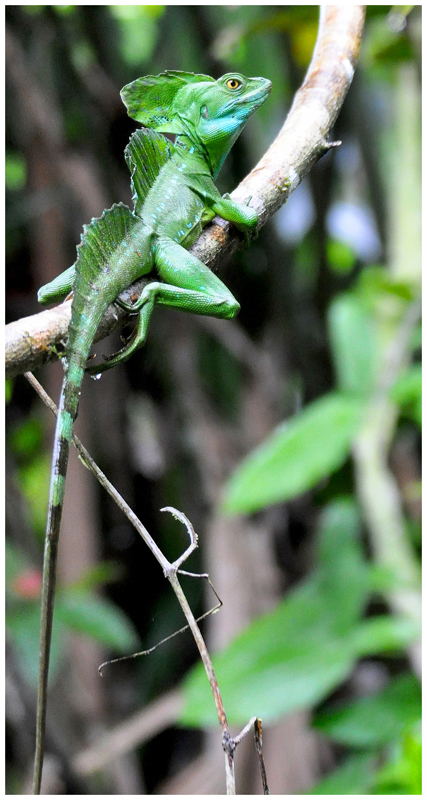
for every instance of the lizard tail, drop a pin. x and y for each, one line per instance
(103, 268)
(67, 413)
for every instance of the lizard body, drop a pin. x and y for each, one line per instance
(174, 197)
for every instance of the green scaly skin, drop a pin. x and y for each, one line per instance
(174, 197)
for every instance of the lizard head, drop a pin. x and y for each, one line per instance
(219, 110)
(214, 114)
(211, 113)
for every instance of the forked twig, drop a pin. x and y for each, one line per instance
(175, 633)
(171, 571)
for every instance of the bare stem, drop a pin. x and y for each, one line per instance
(171, 571)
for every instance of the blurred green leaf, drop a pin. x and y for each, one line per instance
(353, 335)
(103, 572)
(74, 608)
(407, 392)
(139, 30)
(34, 481)
(386, 48)
(376, 282)
(296, 456)
(284, 661)
(23, 626)
(403, 773)
(15, 562)
(299, 22)
(343, 581)
(293, 657)
(64, 11)
(26, 438)
(385, 634)
(96, 617)
(15, 171)
(341, 257)
(377, 719)
(8, 390)
(353, 776)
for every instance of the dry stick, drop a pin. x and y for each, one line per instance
(258, 747)
(180, 630)
(170, 571)
(31, 341)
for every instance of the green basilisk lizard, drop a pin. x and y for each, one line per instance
(174, 196)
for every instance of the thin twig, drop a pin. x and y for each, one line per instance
(258, 748)
(171, 571)
(175, 633)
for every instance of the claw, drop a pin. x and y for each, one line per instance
(127, 306)
(114, 358)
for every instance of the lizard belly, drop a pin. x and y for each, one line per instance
(174, 210)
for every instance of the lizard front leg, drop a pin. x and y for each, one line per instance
(244, 218)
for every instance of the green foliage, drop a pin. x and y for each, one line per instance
(27, 438)
(33, 478)
(377, 719)
(77, 609)
(386, 46)
(352, 333)
(317, 441)
(341, 257)
(33, 469)
(304, 650)
(295, 656)
(354, 776)
(376, 285)
(296, 456)
(283, 667)
(299, 23)
(95, 617)
(139, 30)
(15, 172)
(407, 393)
(402, 773)
(8, 390)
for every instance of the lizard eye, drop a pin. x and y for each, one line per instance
(233, 83)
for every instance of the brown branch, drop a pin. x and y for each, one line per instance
(32, 341)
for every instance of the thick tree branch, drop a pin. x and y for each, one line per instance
(33, 341)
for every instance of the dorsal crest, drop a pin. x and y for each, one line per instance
(146, 154)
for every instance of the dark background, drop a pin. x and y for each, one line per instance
(169, 426)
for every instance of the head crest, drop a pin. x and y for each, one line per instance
(150, 100)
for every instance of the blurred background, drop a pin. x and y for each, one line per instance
(290, 437)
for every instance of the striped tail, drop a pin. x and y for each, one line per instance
(105, 266)
(67, 413)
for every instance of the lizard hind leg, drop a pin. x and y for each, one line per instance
(135, 341)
